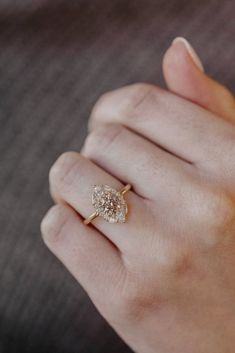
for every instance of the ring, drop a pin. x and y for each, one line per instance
(109, 204)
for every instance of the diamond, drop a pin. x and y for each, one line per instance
(109, 204)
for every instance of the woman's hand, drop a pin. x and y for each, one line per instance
(165, 279)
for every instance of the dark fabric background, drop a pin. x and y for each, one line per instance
(56, 58)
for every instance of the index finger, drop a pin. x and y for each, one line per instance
(177, 125)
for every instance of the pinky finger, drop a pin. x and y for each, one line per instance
(91, 258)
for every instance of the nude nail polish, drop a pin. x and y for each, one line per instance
(190, 50)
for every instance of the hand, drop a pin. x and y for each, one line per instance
(165, 279)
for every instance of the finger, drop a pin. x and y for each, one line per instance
(184, 75)
(72, 178)
(89, 256)
(153, 172)
(173, 123)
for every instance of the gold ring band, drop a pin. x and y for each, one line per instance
(109, 204)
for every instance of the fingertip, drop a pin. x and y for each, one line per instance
(182, 44)
(184, 76)
(178, 65)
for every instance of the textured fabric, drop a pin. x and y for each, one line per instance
(56, 58)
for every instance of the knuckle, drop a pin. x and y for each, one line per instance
(223, 154)
(53, 225)
(217, 213)
(131, 305)
(176, 260)
(222, 210)
(63, 170)
(130, 101)
(135, 300)
(99, 106)
(229, 153)
(102, 138)
(227, 96)
(139, 97)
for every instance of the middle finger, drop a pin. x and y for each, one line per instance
(177, 125)
(153, 172)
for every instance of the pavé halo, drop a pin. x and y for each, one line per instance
(109, 204)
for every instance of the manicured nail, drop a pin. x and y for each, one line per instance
(182, 41)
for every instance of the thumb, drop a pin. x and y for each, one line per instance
(184, 75)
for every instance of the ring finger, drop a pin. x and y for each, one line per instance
(71, 181)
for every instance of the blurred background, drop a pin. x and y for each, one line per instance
(56, 59)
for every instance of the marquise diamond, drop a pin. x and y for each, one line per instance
(109, 204)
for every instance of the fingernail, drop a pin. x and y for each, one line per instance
(182, 41)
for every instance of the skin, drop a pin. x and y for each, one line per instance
(165, 279)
